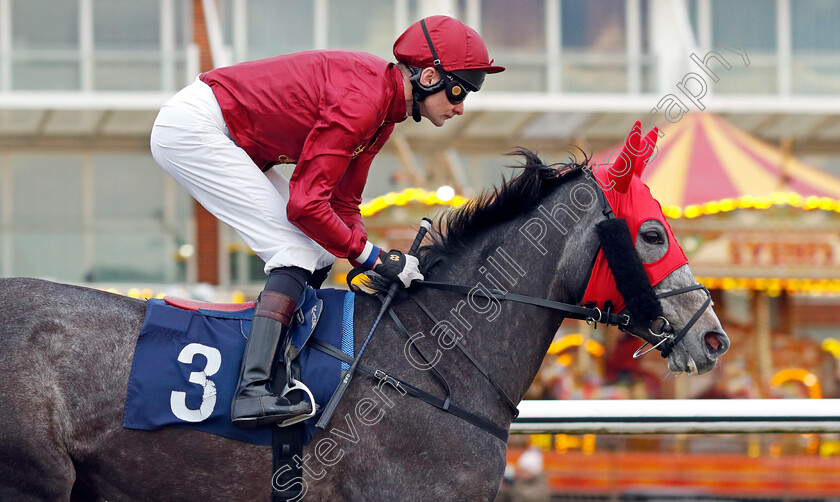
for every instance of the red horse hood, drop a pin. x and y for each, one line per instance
(631, 199)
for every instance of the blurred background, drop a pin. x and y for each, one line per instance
(747, 93)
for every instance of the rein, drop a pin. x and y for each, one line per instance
(590, 314)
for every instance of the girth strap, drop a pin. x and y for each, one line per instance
(287, 444)
(572, 311)
(481, 423)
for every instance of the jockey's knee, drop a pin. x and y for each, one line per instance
(319, 276)
(289, 281)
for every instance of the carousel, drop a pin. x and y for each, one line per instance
(761, 229)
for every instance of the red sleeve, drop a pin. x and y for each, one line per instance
(347, 196)
(326, 158)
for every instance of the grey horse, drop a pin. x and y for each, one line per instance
(66, 352)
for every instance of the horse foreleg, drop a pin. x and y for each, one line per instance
(33, 471)
(83, 493)
(35, 464)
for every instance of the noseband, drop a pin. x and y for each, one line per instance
(669, 339)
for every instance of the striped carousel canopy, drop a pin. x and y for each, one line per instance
(705, 164)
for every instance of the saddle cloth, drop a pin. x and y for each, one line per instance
(186, 363)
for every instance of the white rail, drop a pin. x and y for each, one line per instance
(678, 416)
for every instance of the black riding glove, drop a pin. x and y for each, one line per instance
(398, 266)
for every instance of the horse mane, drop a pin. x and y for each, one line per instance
(454, 229)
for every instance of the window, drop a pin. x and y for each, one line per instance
(55, 255)
(750, 24)
(244, 266)
(91, 217)
(127, 187)
(48, 191)
(816, 46)
(593, 37)
(126, 45)
(363, 26)
(45, 47)
(279, 27)
(693, 15)
(515, 34)
(46, 217)
(136, 230)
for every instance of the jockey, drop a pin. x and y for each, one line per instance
(328, 112)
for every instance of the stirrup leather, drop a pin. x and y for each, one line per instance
(294, 384)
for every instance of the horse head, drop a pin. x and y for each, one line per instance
(667, 308)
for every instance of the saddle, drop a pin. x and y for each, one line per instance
(304, 321)
(188, 353)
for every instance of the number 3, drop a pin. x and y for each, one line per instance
(178, 399)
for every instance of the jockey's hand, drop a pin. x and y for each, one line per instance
(396, 265)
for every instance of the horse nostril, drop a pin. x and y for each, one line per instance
(713, 340)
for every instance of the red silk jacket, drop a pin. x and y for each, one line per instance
(329, 112)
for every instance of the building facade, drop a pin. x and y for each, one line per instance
(82, 200)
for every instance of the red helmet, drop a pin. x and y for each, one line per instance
(455, 47)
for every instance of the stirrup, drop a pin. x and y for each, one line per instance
(298, 385)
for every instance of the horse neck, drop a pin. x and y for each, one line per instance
(509, 338)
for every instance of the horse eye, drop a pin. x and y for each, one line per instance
(653, 237)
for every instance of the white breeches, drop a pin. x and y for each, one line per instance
(192, 143)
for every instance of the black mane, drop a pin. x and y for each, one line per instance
(456, 228)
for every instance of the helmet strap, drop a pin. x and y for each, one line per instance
(420, 92)
(415, 111)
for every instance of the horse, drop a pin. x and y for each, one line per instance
(66, 353)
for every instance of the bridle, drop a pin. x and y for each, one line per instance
(590, 314)
(669, 339)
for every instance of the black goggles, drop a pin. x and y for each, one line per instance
(462, 82)
(455, 91)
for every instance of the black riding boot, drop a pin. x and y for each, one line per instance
(254, 402)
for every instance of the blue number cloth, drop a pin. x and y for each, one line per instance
(186, 364)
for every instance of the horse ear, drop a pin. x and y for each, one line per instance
(647, 148)
(621, 170)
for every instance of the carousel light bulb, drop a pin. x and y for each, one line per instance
(445, 193)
